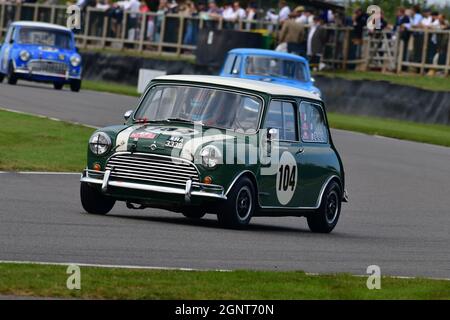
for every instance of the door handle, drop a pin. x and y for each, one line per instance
(300, 151)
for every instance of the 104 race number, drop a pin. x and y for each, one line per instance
(287, 174)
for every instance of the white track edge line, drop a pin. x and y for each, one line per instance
(109, 266)
(47, 117)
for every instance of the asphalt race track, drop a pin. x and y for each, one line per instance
(398, 216)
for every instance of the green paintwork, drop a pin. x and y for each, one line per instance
(316, 164)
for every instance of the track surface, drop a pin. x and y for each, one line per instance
(398, 217)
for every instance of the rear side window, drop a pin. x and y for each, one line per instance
(313, 127)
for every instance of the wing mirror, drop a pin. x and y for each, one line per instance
(273, 134)
(128, 114)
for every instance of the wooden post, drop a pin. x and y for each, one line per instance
(447, 63)
(161, 35)
(105, 30)
(2, 14)
(86, 27)
(401, 51)
(424, 51)
(124, 28)
(142, 32)
(345, 48)
(52, 15)
(36, 12)
(180, 35)
(18, 12)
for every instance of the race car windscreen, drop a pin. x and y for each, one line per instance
(209, 107)
(275, 68)
(45, 37)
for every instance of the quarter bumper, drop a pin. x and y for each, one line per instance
(191, 189)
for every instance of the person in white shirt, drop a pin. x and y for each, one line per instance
(239, 12)
(131, 6)
(283, 15)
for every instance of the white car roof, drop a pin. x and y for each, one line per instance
(238, 83)
(40, 25)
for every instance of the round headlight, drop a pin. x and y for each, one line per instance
(75, 60)
(99, 143)
(211, 157)
(24, 55)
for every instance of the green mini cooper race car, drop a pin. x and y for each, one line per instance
(232, 147)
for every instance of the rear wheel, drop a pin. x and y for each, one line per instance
(93, 201)
(239, 208)
(58, 85)
(12, 78)
(75, 85)
(325, 219)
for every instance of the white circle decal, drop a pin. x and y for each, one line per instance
(286, 178)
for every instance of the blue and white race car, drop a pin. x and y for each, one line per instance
(271, 66)
(42, 52)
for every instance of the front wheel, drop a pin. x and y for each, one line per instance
(194, 213)
(58, 85)
(75, 85)
(325, 219)
(93, 201)
(240, 206)
(12, 78)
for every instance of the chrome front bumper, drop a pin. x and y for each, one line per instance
(65, 76)
(191, 189)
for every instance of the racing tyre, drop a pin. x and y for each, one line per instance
(94, 201)
(194, 213)
(238, 209)
(12, 78)
(325, 219)
(58, 85)
(2, 76)
(75, 85)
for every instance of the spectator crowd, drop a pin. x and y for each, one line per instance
(300, 30)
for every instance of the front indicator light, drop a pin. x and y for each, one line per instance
(207, 180)
(97, 167)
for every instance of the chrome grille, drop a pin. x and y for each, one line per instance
(47, 66)
(152, 169)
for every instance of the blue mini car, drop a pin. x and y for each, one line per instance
(40, 52)
(270, 66)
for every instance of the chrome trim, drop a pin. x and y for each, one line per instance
(26, 71)
(318, 202)
(188, 191)
(106, 180)
(159, 189)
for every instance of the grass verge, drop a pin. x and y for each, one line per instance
(114, 283)
(404, 130)
(110, 87)
(423, 82)
(34, 143)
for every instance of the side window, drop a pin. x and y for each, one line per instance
(312, 123)
(281, 116)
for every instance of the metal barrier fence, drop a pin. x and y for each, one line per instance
(170, 34)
